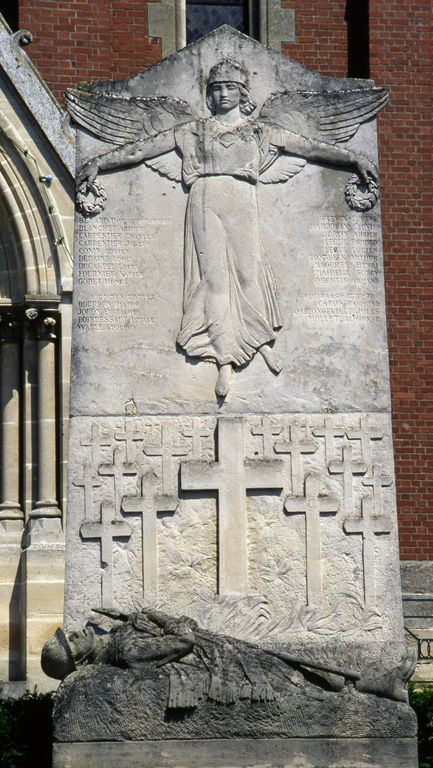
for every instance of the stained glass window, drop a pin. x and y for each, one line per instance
(202, 16)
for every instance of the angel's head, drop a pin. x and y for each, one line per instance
(227, 88)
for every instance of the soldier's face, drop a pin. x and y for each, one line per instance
(225, 97)
(82, 642)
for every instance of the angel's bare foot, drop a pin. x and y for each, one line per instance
(271, 359)
(222, 385)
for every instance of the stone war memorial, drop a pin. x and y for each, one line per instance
(232, 588)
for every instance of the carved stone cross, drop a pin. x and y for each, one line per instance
(312, 505)
(365, 433)
(100, 437)
(329, 431)
(166, 450)
(148, 505)
(368, 526)
(377, 481)
(348, 467)
(129, 435)
(296, 446)
(117, 470)
(106, 530)
(196, 432)
(231, 476)
(89, 481)
(268, 431)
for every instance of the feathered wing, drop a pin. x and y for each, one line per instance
(169, 165)
(120, 120)
(327, 116)
(282, 168)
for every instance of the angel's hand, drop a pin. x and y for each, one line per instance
(87, 174)
(365, 168)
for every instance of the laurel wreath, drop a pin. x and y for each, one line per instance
(359, 195)
(90, 200)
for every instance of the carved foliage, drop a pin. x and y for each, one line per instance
(334, 480)
(175, 495)
(129, 480)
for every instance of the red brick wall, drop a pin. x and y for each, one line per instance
(76, 40)
(321, 36)
(401, 56)
(82, 39)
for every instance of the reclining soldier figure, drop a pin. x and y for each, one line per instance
(202, 663)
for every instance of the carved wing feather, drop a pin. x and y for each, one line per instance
(282, 169)
(110, 118)
(120, 120)
(330, 116)
(169, 164)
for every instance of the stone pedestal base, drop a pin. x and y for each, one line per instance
(239, 753)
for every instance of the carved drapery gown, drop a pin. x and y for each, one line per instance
(230, 307)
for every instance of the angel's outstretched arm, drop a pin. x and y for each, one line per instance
(329, 154)
(127, 154)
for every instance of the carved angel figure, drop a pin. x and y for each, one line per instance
(230, 308)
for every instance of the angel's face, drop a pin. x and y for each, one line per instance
(224, 97)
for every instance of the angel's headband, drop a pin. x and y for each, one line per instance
(228, 71)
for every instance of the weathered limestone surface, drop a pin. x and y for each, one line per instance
(132, 707)
(326, 263)
(301, 566)
(248, 753)
(231, 450)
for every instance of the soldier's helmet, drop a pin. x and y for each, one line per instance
(57, 660)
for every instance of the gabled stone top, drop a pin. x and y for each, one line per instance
(261, 61)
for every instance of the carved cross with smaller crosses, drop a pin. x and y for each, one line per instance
(106, 530)
(147, 505)
(99, 438)
(365, 433)
(89, 481)
(377, 481)
(167, 451)
(117, 470)
(348, 467)
(268, 431)
(368, 526)
(196, 433)
(129, 435)
(297, 446)
(314, 504)
(329, 431)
